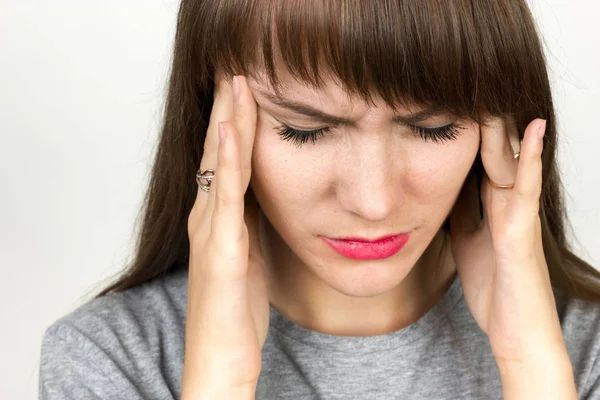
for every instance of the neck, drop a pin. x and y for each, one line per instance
(302, 295)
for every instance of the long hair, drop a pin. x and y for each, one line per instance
(473, 58)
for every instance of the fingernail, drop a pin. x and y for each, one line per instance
(236, 88)
(542, 130)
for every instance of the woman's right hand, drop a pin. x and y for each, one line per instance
(228, 305)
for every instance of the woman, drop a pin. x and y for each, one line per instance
(385, 219)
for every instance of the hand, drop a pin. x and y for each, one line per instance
(500, 258)
(228, 306)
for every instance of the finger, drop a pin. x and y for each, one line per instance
(244, 107)
(222, 110)
(227, 226)
(242, 112)
(497, 153)
(528, 185)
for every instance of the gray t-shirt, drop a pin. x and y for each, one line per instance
(130, 345)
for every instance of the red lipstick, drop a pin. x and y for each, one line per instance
(365, 249)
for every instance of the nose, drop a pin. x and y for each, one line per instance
(366, 181)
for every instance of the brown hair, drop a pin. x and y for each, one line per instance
(473, 58)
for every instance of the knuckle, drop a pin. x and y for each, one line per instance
(228, 227)
(229, 249)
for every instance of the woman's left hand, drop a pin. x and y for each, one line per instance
(500, 258)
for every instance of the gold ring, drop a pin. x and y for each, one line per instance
(515, 156)
(500, 186)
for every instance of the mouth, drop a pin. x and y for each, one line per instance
(368, 249)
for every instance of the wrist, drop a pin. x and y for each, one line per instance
(208, 379)
(210, 392)
(532, 350)
(547, 378)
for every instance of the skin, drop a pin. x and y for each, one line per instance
(499, 258)
(407, 184)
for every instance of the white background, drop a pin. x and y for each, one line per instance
(81, 91)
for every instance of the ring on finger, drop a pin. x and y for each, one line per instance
(207, 176)
(494, 184)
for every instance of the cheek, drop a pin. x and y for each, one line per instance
(281, 188)
(433, 177)
(437, 177)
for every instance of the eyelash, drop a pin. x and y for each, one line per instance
(300, 137)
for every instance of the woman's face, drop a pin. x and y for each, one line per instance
(369, 177)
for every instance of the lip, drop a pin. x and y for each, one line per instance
(368, 249)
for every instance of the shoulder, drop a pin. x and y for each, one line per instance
(135, 311)
(580, 319)
(580, 322)
(117, 341)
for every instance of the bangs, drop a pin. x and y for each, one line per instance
(471, 58)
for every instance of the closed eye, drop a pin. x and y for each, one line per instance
(299, 137)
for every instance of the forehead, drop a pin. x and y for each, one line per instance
(331, 95)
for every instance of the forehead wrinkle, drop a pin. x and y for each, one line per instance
(321, 116)
(306, 110)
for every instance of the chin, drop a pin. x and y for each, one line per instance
(365, 278)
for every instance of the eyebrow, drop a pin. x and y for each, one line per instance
(323, 117)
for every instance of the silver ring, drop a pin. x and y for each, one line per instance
(206, 176)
